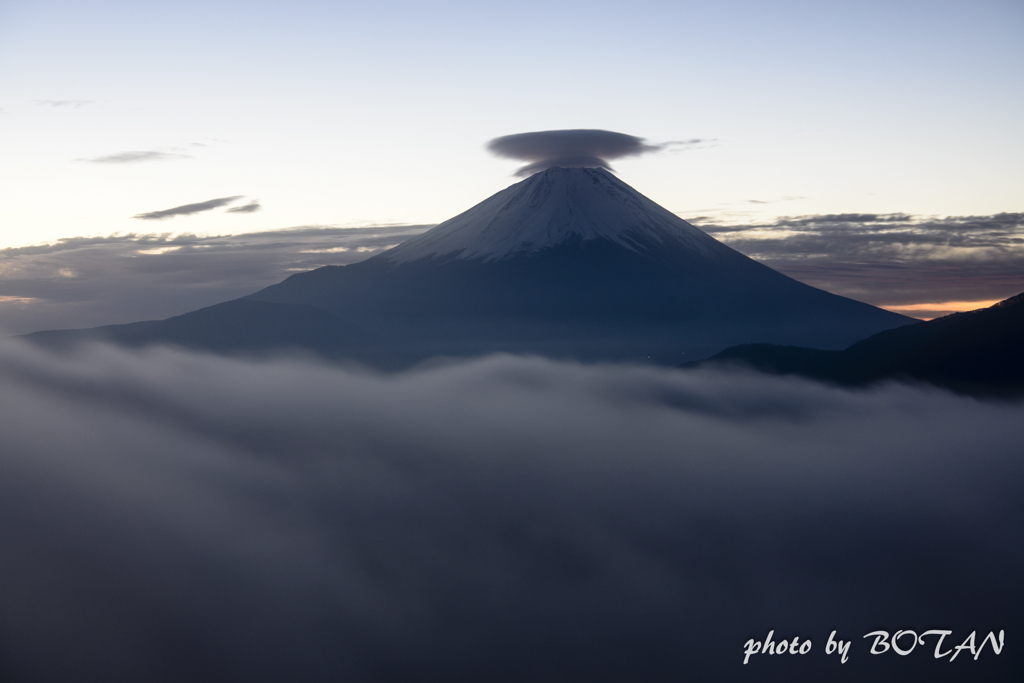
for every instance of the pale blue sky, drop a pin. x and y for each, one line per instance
(350, 113)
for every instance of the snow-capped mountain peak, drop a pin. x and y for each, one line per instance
(548, 209)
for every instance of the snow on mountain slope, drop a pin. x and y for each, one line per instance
(550, 208)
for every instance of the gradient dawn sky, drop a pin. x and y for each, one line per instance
(353, 113)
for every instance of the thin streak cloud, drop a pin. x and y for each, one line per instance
(64, 103)
(251, 207)
(134, 157)
(187, 209)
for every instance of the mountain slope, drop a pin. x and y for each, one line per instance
(573, 263)
(977, 351)
(233, 326)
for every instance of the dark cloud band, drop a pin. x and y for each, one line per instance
(90, 281)
(187, 209)
(889, 259)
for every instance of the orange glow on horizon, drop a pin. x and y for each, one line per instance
(940, 308)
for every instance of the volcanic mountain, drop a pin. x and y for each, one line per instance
(571, 262)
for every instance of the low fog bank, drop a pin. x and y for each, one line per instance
(167, 516)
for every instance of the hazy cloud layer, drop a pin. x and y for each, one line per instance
(187, 209)
(570, 148)
(64, 103)
(135, 157)
(90, 281)
(890, 259)
(179, 517)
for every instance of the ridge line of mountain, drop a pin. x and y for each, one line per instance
(977, 352)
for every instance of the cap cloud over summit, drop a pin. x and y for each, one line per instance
(568, 148)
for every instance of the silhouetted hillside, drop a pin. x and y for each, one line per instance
(976, 352)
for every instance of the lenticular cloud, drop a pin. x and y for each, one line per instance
(568, 148)
(169, 516)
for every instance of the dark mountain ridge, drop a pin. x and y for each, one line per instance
(980, 352)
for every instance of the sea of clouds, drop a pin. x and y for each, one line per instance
(167, 516)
